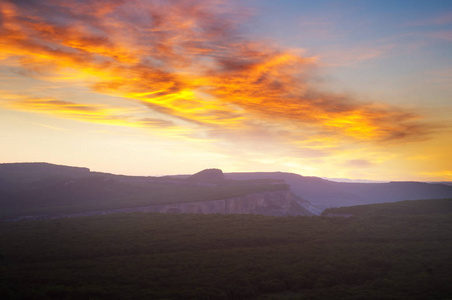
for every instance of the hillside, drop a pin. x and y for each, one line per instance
(45, 190)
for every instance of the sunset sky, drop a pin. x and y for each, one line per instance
(342, 89)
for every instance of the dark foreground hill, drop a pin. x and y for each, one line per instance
(323, 193)
(41, 190)
(186, 256)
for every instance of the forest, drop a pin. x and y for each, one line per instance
(376, 253)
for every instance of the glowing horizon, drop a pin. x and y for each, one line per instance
(183, 86)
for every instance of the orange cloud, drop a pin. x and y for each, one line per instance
(82, 112)
(188, 60)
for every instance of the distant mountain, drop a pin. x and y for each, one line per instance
(323, 193)
(24, 174)
(398, 190)
(36, 190)
(208, 175)
(42, 189)
(354, 180)
(442, 182)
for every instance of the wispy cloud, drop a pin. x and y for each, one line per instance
(445, 174)
(443, 35)
(190, 61)
(83, 112)
(358, 163)
(438, 20)
(49, 127)
(437, 27)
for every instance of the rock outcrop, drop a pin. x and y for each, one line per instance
(274, 203)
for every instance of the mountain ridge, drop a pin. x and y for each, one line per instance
(47, 188)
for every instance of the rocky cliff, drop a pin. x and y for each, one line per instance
(34, 191)
(274, 203)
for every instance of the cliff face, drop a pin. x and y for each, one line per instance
(276, 203)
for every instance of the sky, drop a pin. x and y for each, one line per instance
(339, 89)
